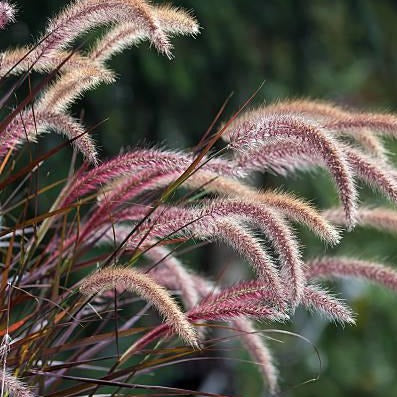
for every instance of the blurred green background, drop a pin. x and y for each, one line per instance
(341, 50)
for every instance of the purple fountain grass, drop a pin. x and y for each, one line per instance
(371, 144)
(277, 231)
(288, 205)
(171, 20)
(204, 223)
(228, 231)
(384, 124)
(134, 281)
(82, 73)
(7, 13)
(29, 125)
(259, 352)
(384, 219)
(329, 115)
(256, 347)
(242, 301)
(83, 15)
(131, 162)
(70, 86)
(120, 192)
(16, 61)
(13, 386)
(134, 204)
(57, 98)
(176, 21)
(376, 175)
(255, 132)
(284, 157)
(330, 267)
(252, 250)
(316, 298)
(184, 281)
(227, 310)
(251, 290)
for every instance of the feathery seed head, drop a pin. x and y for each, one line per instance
(258, 130)
(7, 13)
(329, 267)
(333, 308)
(14, 386)
(142, 284)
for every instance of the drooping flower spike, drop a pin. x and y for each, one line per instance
(333, 308)
(331, 267)
(71, 85)
(28, 126)
(384, 219)
(129, 188)
(7, 13)
(204, 222)
(84, 15)
(172, 21)
(13, 385)
(363, 127)
(285, 157)
(227, 231)
(134, 281)
(246, 134)
(252, 340)
(148, 159)
(82, 72)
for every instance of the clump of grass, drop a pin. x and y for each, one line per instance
(60, 295)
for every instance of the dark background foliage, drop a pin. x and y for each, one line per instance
(342, 50)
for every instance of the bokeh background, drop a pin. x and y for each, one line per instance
(340, 50)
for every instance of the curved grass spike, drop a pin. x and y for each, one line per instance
(13, 386)
(75, 20)
(255, 132)
(208, 222)
(250, 248)
(7, 13)
(330, 267)
(83, 15)
(228, 231)
(383, 124)
(287, 204)
(173, 21)
(328, 113)
(253, 306)
(137, 160)
(28, 126)
(79, 79)
(284, 157)
(71, 85)
(383, 219)
(276, 231)
(251, 339)
(332, 308)
(134, 281)
(16, 61)
(130, 187)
